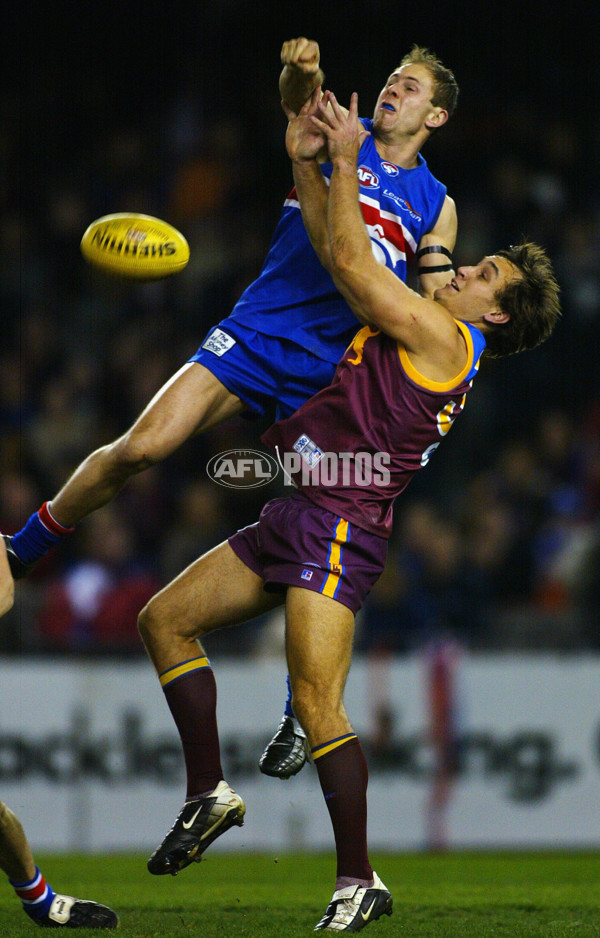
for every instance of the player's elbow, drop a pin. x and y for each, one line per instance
(323, 252)
(343, 260)
(347, 271)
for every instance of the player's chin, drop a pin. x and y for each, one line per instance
(378, 118)
(441, 296)
(446, 291)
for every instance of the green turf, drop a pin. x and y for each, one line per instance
(464, 895)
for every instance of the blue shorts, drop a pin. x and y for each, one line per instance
(262, 369)
(298, 543)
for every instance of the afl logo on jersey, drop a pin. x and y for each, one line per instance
(368, 178)
(389, 168)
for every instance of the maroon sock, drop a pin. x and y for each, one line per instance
(191, 692)
(343, 775)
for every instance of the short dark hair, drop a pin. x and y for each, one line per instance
(531, 300)
(445, 92)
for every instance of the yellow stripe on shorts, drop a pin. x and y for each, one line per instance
(334, 560)
(319, 751)
(179, 670)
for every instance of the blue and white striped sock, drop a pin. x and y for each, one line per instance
(36, 895)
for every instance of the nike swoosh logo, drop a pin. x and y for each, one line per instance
(366, 917)
(188, 824)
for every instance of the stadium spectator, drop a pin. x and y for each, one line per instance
(93, 607)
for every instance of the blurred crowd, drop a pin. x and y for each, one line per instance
(495, 545)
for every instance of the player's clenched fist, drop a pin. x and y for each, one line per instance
(301, 53)
(301, 72)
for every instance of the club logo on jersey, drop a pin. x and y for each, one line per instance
(389, 168)
(242, 468)
(367, 177)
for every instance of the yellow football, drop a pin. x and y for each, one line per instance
(137, 247)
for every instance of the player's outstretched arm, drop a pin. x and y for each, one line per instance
(301, 72)
(376, 295)
(7, 584)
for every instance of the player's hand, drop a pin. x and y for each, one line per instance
(302, 54)
(343, 131)
(303, 140)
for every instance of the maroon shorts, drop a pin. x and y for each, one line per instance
(297, 543)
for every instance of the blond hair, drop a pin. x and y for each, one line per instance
(445, 87)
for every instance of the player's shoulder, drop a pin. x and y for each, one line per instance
(449, 205)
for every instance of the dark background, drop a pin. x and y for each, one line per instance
(173, 110)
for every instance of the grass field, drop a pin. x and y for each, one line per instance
(464, 895)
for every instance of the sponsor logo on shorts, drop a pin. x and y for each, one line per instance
(242, 468)
(218, 342)
(307, 574)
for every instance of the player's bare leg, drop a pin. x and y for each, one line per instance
(216, 591)
(191, 402)
(288, 751)
(16, 858)
(319, 634)
(40, 902)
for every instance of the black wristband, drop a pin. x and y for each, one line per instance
(434, 270)
(434, 249)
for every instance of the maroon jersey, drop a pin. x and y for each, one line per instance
(353, 447)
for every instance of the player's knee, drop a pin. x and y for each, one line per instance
(150, 622)
(157, 625)
(6, 818)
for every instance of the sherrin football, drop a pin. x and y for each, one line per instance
(137, 247)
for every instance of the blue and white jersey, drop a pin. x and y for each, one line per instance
(295, 298)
